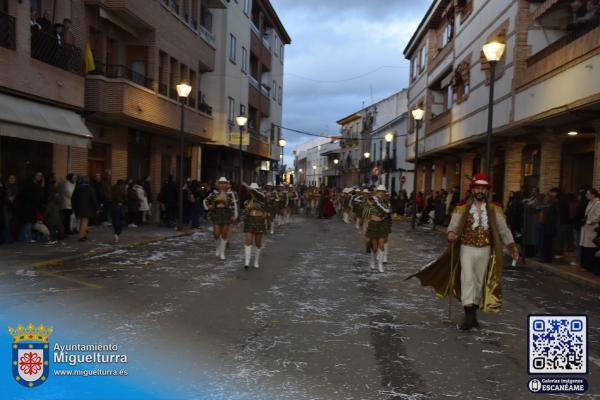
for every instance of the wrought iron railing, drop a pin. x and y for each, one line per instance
(51, 50)
(124, 72)
(205, 108)
(7, 31)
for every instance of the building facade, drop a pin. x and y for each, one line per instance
(545, 120)
(247, 80)
(309, 164)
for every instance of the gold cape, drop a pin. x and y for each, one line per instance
(437, 273)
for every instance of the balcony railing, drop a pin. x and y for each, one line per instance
(191, 102)
(266, 43)
(194, 23)
(253, 81)
(163, 89)
(208, 36)
(123, 72)
(173, 94)
(254, 28)
(50, 50)
(7, 31)
(202, 105)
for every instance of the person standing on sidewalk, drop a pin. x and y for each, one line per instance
(66, 192)
(588, 230)
(85, 205)
(119, 200)
(478, 230)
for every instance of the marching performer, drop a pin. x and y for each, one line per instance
(293, 198)
(221, 207)
(356, 204)
(271, 202)
(281, 204)
(376, 212)
(478, 231)
(236, 212)
(388, 225)
(254, 224)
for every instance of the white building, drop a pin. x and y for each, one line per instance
(247, 80)
(309, 164)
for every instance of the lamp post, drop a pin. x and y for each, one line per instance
(300, 177)
(493, 53)
(241, 121)
(282, 145)
(367, 166)
(389, 137)
(183, 91)
(336, 162)
(314, 167)
(417, 114)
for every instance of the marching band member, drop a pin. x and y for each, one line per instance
(221, 207)
(236, 213)
(293, 198)
(377, 231)
(281, 204)
(271, 201)
(254, 224)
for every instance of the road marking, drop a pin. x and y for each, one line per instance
(27, 293)
(74, 280)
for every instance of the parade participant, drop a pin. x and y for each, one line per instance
(356, 204)
(281, 204)
(293, 198)
(345, 200)
(236, 211)
(377, 209)
(388, 225)
(271, 201)
(254, 224)
(221, 207)
(478, 229)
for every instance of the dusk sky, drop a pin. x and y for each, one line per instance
(344, 53)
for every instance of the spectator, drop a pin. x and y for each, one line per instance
(66, 192)
(147, 185)
(96, 185)
(85, 205)
(550, 218)
(119, 200)
(45, 22)
(144, 207)
(106, 195)
(195, 199)
(133, 205)
(588, 233)
(30, 202)
(40, 228)
(9, 209)
(67, 35)
(168, 197)
(530, 222)
(52, 217)
(577, 208)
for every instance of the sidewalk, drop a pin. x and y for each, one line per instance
(559, 267)
(20, 255)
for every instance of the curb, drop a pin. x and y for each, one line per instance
(58, 261)
(569, 276)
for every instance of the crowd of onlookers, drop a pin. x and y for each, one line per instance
(44, 209)
(53, 43)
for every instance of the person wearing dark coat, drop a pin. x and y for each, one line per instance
(550, 216)
(9, 209)
(30, 202)
(168, 197)
(119, 201)
(85, 205)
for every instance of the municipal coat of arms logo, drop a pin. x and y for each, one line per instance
(30, 354)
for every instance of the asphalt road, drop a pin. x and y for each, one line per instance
(312, 323)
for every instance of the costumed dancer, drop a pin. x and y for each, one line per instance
(478, 229)
(254, 224)
(271, 201)
(236, 213)
(377, 210)
(293, 198)
(345, 199)
(281, 204)
(357, 201)
(221, 208)
(388, 225)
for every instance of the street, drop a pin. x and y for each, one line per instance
(312, 323)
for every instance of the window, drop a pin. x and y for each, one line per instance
(280, 95)
(447, 32)
(461, 82)
(464, 8)
(244, 59)
(247, 4)
(232, 48)
(413, 68)
(274, 90)
(276, 46)
(423, 58)
(281, 53)
(231, 110)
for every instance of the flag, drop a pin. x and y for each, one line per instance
(89, 59)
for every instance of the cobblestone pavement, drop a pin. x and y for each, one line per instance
(312, 323)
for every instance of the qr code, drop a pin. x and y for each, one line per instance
(557, 344)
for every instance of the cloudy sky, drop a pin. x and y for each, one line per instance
(344, 53)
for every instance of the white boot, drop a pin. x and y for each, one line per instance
(223, 245)
(372, 260)
(346, 218)
(272, 227)
(357, 226)
(256, 257)
(380, 260)
(247, 255)
(385, 253)
(218, 250)
(287, 218)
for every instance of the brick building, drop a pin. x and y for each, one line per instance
(41, 92)
(545, 88)
(141, 49)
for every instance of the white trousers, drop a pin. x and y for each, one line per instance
(474, 262)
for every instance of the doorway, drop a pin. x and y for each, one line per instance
(98, 159)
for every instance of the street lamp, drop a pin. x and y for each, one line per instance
(336, 162)
(493, 53)
(183, 91)
(282, 145)
(418, 114)
(241, 121)
(389, 137)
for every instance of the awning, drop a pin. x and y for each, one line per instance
(27, 119)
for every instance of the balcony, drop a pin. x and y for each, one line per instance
(47, 49)
(266, 43)
(254, 28)
(7, 31)
(133, 105)
(115, 71)
(258, 100)
(163, 89)
(207, 36)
